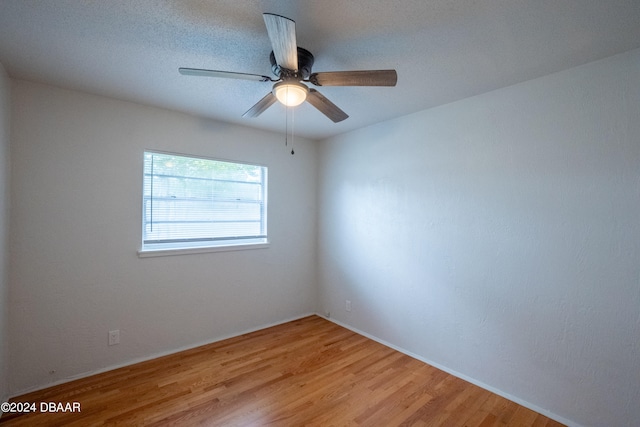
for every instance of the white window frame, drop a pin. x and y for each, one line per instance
(190, 246)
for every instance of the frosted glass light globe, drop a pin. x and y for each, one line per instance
(290, 93)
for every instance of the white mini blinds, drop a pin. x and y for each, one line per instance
(192, 202)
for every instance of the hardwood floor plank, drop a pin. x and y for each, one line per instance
(306, 372)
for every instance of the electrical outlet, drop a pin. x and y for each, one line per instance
(347, 305)
(114, 337)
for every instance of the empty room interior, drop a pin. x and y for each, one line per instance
(451, 215)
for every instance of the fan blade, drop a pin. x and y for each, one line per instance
(223, 74)
(325, 106)
(355, 78)
(282, 33)
(261, 105)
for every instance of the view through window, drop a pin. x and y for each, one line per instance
(193, 202)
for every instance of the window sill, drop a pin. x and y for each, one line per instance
(148, 253)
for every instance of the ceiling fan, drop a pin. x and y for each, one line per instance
(292, 65)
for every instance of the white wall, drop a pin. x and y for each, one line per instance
(499, 237)
(76, 227)
(4, 226)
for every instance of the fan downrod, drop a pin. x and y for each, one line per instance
(305, 62)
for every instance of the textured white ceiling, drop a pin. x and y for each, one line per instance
(443, 50)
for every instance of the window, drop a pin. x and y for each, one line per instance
(194, 203)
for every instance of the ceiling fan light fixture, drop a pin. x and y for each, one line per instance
(290, 93)
(292, 65)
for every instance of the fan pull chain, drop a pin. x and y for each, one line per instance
(289, 110)
(293, 119)
(286, 126)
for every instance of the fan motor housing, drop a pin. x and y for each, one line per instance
(305, 62)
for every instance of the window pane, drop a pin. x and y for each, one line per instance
(191, 200)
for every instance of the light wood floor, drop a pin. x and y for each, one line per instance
(306, 372)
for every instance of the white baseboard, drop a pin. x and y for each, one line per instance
(473, 381)
(152, 356)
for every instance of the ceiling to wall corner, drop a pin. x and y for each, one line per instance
(443, 50)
